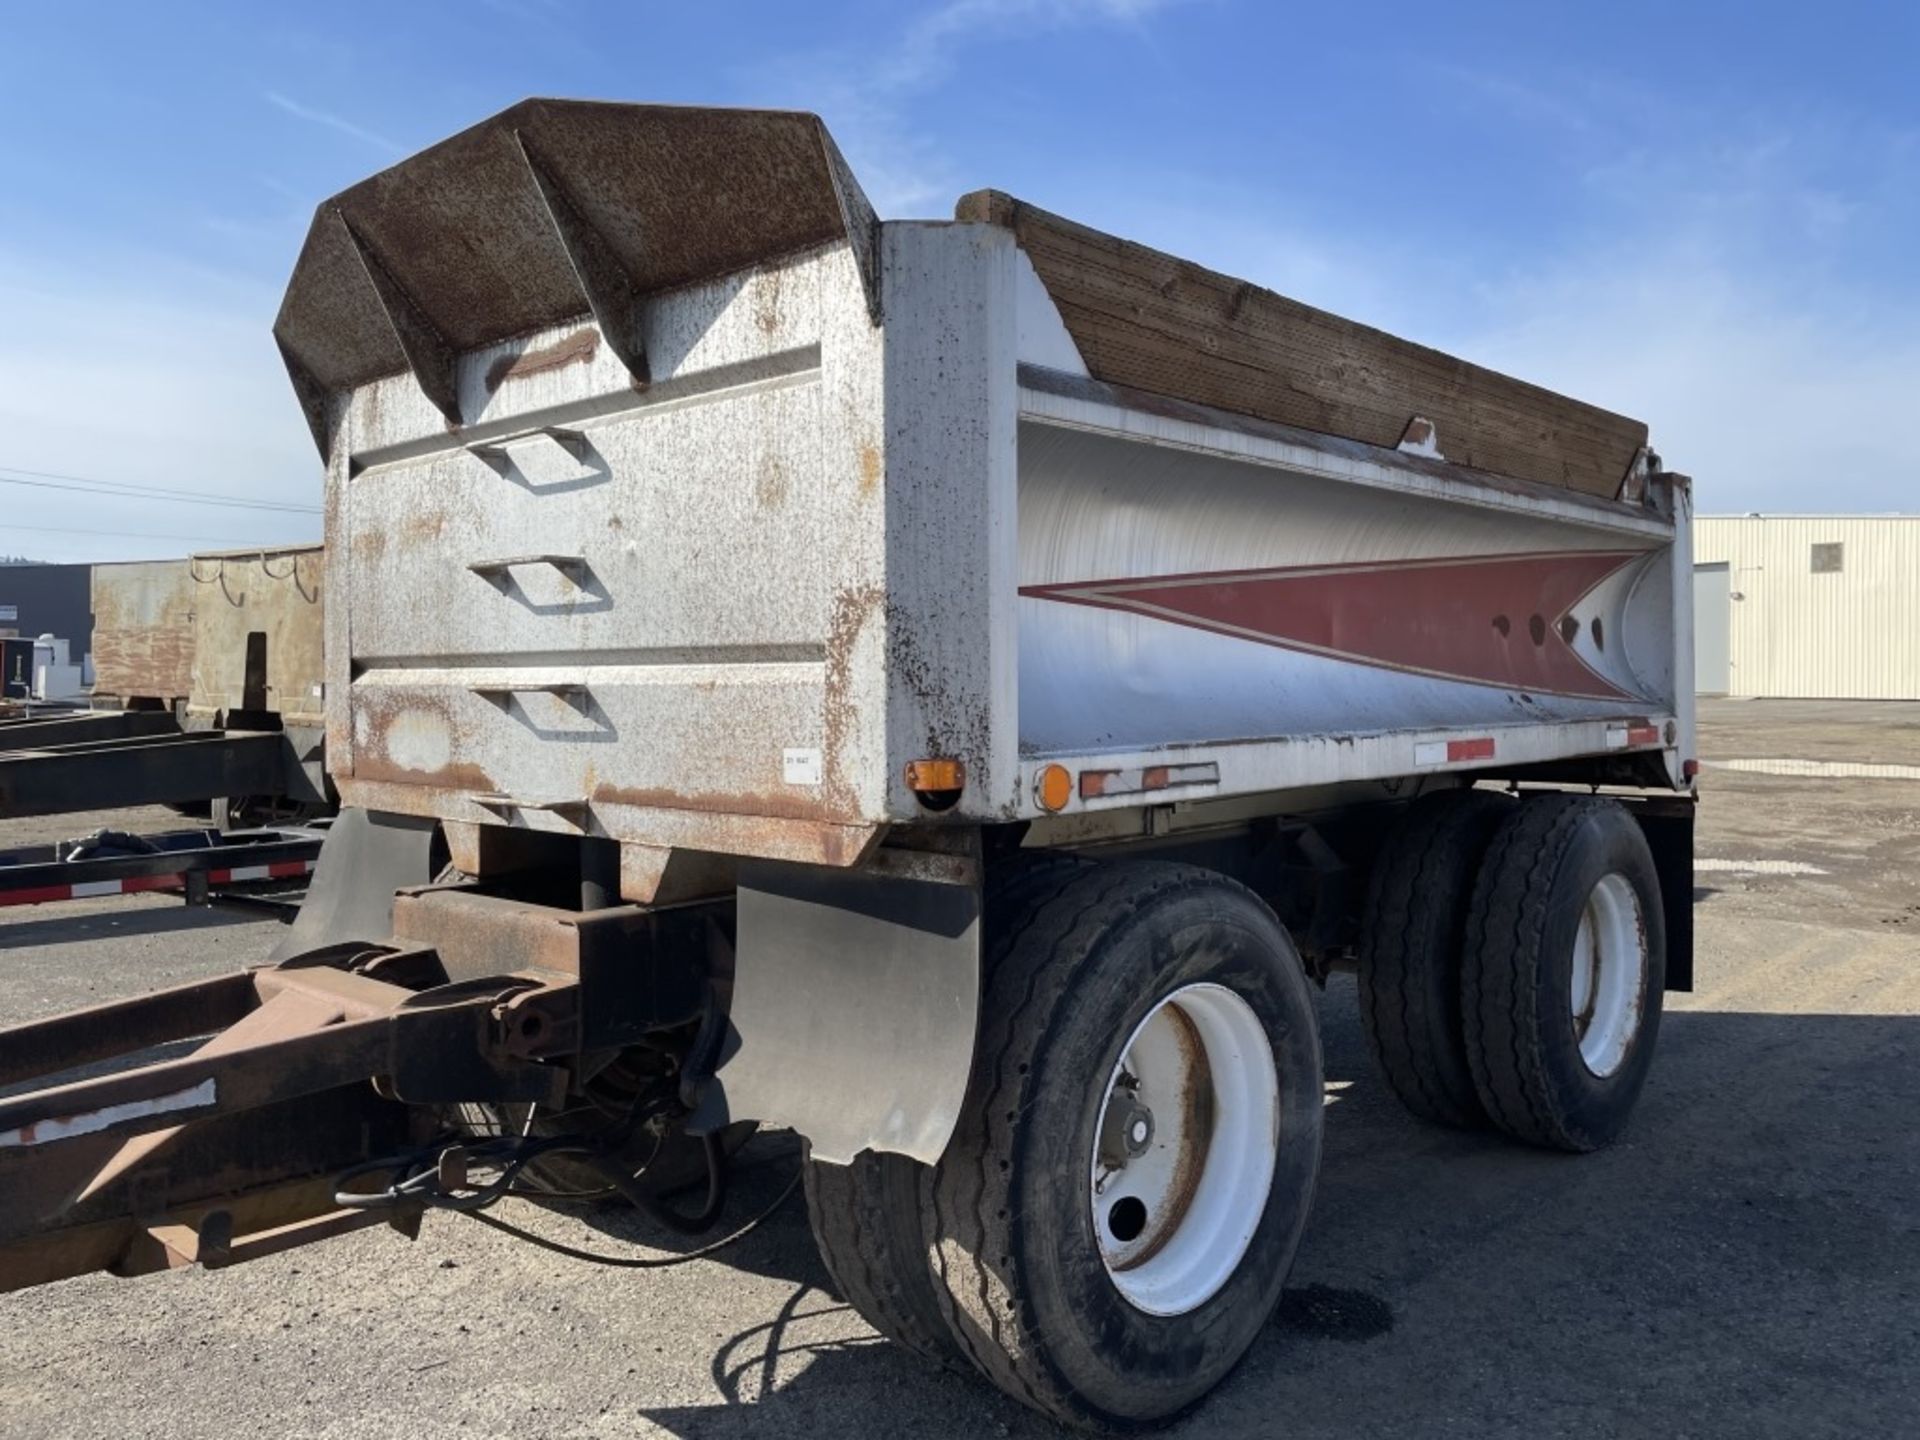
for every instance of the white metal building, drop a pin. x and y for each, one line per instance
(1807, 606)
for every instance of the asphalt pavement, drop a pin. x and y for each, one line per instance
(1745, 1263)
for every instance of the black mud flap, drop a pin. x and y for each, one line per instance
(853, 1004)
(1668, 826)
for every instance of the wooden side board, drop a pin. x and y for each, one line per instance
(1153, 321)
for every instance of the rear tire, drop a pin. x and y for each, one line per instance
(1564, 969)
(1033, 1269)
(866, 1221)
(1409, 970)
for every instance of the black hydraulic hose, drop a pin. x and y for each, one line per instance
(638, 1262)
(657, 1209)
(415, 1181)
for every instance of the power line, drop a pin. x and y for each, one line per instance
(129, 485)
(130, 535)
(85, 485)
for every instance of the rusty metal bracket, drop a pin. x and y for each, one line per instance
(218, 1096)
(862, 224)
(604, 284)
(624, 967)
(428, 355)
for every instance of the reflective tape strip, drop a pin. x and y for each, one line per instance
(1621, 737)
(1095, 783)
(92, 889)
(1453, 752)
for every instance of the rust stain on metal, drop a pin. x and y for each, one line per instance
(852, 611)
(766, 301)
(143, 630)
(1195, 1102)
(578, 348)
(423, 527)
(412, 741)
(273, 592)
(870, 471)
(746, 805)
(675, 195)
(770, 484)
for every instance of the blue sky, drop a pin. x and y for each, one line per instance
(1705, 215)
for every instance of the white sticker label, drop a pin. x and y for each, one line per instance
(1432, 752)
(800, 767)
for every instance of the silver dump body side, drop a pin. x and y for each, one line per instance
(673, 498)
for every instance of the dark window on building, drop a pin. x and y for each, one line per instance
(1827, 558)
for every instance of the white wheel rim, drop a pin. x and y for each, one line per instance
(1609, 974)
(1183, 1163)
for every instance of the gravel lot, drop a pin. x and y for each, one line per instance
(1745, 1263)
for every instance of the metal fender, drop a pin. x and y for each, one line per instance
(853, 1007)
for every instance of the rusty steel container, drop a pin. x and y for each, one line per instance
(258, 630)
(674, 498)
(143, 634)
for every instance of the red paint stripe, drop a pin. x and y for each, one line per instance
(1479, 748)
(37, 896)
(220, 877)
(283, 868)
(1488, 619)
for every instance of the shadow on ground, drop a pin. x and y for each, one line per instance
(1745, 1262)
(70, 929)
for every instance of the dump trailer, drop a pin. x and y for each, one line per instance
(948, 688)
(207, 695)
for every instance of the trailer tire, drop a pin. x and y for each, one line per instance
(866, 1221)
(1410, 942)
(1042, 1288)
(866, 1216)
(1564, 967)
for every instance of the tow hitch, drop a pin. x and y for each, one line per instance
(228, 1119)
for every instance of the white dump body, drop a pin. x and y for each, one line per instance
(714, 582)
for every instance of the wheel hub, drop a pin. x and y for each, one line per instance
(1126, 1130)
(1607, 993)
(1185, 1153)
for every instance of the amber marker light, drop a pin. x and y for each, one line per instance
(1053, 787)
(937, 783)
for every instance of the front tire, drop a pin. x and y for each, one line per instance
(1115, 1215)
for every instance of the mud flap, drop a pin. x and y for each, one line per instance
(365, 859)
(853, 1008)
(1668, 826)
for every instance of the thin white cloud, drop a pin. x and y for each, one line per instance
(334, 122)
(101, 377)
(867, 98)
